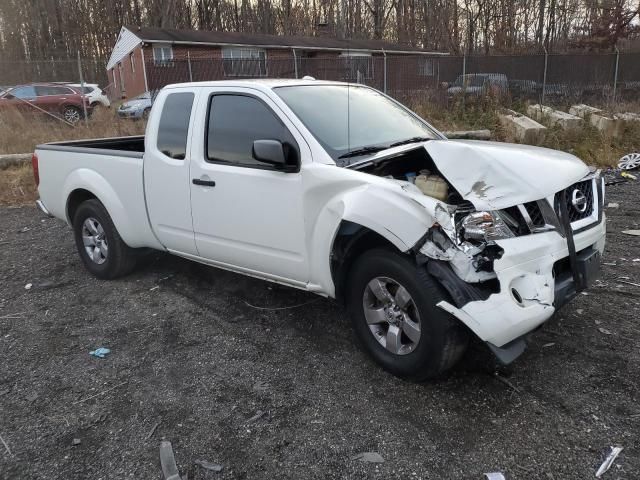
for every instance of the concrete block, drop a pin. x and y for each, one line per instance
(609, 126)
(583, 111)
(628, 117)
(521, 128)
(554, 117)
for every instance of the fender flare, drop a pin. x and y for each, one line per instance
(390, 214)
(96, 184)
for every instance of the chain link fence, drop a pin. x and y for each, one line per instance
(609, 78)
(550, 79)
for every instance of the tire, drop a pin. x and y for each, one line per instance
(441, 339)
(111, 258)
(71, 114)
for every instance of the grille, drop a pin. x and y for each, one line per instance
(533, 209)
(586, 188)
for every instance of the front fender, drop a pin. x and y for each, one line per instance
(394, 215)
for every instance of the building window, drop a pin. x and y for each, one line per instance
(244, 62)
(357, 66)
(163, 55)
(425, 67)
(132, 59)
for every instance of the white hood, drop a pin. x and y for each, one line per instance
(494, 175)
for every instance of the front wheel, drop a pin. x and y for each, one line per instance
(72, 114)
(393, 307)
(101, 249)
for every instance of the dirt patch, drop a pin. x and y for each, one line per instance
(192, 359)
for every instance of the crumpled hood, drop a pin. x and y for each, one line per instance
(494, 175)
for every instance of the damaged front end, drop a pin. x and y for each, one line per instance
(508, 270)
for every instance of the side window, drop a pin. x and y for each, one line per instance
(23, 92)
(235, 121)
(174, 125)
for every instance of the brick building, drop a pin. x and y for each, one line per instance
(146, 59)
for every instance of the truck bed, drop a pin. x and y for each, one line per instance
(114, 169)
(132, 146)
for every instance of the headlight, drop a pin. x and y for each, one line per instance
(125, 107)
(484, 227)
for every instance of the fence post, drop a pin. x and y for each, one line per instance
(384, 76)
(544, 76)
(189, 64)
(84, 98)
(615, 75)
(295, 62)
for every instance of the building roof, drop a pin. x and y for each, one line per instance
(132, 36)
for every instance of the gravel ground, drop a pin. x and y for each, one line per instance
(193, 361)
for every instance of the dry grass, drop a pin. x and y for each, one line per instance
(17, 185)
(587, 143)
(21, 132)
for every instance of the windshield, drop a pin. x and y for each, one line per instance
(345, 119)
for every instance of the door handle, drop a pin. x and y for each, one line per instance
(204, 183)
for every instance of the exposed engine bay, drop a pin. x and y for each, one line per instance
(461, 236)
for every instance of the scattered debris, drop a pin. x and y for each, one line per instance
(32, 397)
(261, 386)
(154, 288)
(23, 230)
(100, 352)
(369, 457)
(12, 316)
(100, 393)
(28, 286)
(168, 461)
(495, 476)
(506, 382)
(76, 441)
(152, 431)
(546, 345)
(214, 467)
(257, 416)
(6, 446)
(605, 331)
(579, 311)
(626, 232)
(283, 308)
(629, 283)
(615, 451)
(613, 205)
(630, 161)
(628, 175)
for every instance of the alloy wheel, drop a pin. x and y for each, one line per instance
(391, 315)
(95, 241)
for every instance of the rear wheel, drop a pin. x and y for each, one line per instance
(392, 303)
(101, 249)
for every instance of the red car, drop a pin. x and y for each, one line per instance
(59, 100)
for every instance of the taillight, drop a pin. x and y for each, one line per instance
(36, 172)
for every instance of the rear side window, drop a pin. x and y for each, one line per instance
(235, 121)
(44, 90)
(23, 92)
(174, 125)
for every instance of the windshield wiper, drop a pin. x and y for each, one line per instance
(363, 151)
(410, 140)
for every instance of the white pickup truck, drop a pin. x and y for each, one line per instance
(326, 187)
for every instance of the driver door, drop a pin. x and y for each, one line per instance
(247, 215)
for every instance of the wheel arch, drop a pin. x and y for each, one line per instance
(350, 242)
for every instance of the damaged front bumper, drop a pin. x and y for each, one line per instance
(534, 281)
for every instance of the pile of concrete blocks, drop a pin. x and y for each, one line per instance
(610, 125)
(521, 128)
(553, 117)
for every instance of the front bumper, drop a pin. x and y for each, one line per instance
(527, 277)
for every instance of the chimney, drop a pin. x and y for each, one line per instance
(323, 29)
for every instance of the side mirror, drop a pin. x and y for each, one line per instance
(271, 152)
